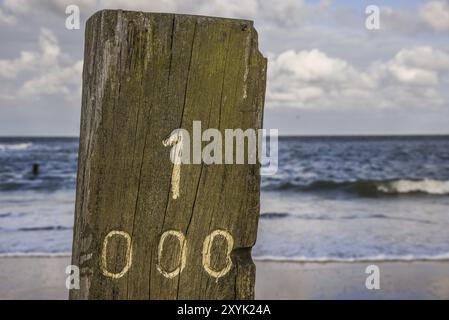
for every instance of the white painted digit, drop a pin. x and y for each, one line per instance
(207, 245)
(104, 267)
(179, 141)
(182, 257)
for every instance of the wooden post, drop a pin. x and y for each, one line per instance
(145, 75)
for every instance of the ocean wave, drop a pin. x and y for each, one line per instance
(368, 187)
(45, 228)
(5, 215)
(31, 229)
(15, 147)
(411, 186)
(378, 258)
(34, 254)
(281, 215)
(274, 215)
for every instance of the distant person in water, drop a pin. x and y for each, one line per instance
(35, 169)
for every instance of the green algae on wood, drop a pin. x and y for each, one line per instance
(145, 75)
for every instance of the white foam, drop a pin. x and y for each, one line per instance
(35, 254)
(407, 186)
(378, 258)
(17, 146)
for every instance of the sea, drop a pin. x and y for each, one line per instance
(351, 198)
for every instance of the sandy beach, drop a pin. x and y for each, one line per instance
(44, 278)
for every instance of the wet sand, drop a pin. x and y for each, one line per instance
(44, 278)
(343, 280)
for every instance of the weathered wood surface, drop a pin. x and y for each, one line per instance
(146, 74)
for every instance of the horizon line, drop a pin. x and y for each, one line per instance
(280, 135)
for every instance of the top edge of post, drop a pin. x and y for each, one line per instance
(100, 12)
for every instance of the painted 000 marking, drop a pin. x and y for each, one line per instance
(206, 254)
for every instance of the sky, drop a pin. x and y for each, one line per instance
(327, 72)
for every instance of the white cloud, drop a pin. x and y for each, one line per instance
(432, 16)
(229, 8)
(11, 68)
(436, 14)
(301, 78)
(413, 75)
(424, 57)
(403, 21)
(140, 5)
(23, 7)
(59, 81)
(46, 57)
(313, 66)
(281, 12)
(18, 6)
(420, 65)
(61, 5)
(46, 71)
(310, 79)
